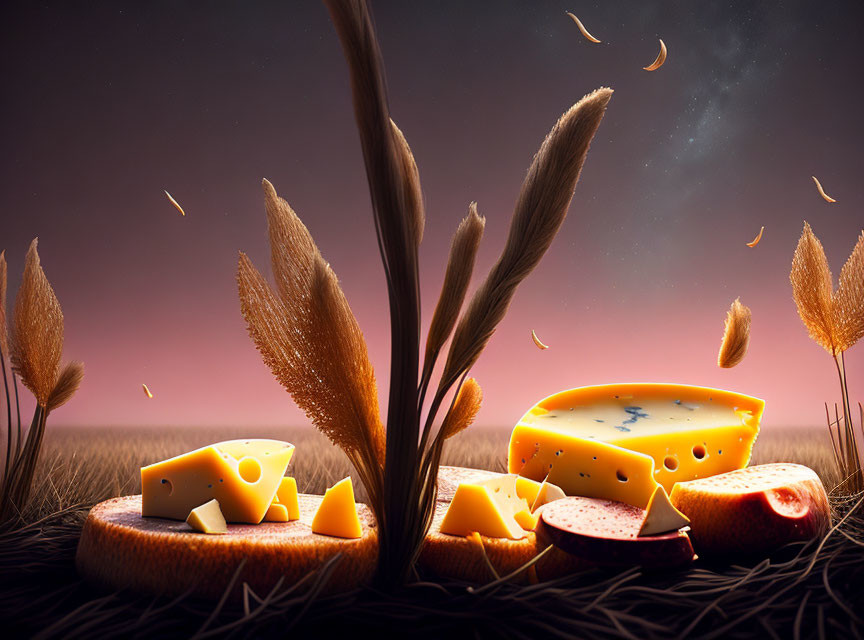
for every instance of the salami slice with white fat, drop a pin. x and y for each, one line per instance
(606, 533)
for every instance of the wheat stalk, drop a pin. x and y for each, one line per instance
(4, 339)
(540, 211)
(457, 276)
(36, 349)
(835, 320)
(736, 335)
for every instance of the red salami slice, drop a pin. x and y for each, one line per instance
(607, 533)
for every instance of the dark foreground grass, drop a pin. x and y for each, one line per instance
(803, 590)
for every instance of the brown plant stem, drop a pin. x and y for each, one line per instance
(8, 423)
(396, 226)
(21, 477)
(17, 414)
(853, 461)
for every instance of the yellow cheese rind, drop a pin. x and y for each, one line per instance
(287, 494)
(661, 516)
(488, 507)
(337, 514)
(207, 518)
(620, 441)
(276, 513)
(242, 475)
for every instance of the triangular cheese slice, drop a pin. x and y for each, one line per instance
(207, 518)
(488, 507)
(337, 513)
(242, 475)
(548, 492)
(661, 516)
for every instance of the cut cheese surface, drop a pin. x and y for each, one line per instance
(661, 516)
(618, 442)
(337, 515)
(207, 518)
(287, 494)
(548, 493)
(488, 507)
(243, 475)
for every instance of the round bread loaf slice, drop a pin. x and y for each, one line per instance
(755, 509)
(462, 557)
(606, 533)
(121, 549)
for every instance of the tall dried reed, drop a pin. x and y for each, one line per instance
(36, 347)
(310, 340)
(835, 320)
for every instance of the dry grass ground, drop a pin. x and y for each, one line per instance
(811, 590)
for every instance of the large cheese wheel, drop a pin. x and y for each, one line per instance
(462, 557)
(121, 549)
(754, 509)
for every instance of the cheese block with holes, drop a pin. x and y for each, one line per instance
(755, 509)
(243, 475)
(491, 507)
(120, 549)
(620, 441)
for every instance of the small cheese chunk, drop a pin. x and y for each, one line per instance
(661, 516)
(287, 494)
(618, 442)
(488, 507)
(526, 519)
(337, 514)
(276, 513)
(242, 474)
(548, 493)
(207, 518)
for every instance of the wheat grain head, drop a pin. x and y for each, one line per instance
(37, 330)
(464, 409)
(457, 276)
(413, 196)
(849, 299)
(540, 211)
(67, 384)
(812, 290)
(736, 335)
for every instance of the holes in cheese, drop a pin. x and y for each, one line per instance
(619, 442)
(755, 509)
(491, 507)
(242, 475)
(607, 532)
(337, 514)
(207, 518)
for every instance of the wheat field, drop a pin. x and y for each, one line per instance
(87, 465)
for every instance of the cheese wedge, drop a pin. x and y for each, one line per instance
(661, 516)
(287, 494)
(276, 513)
(207, 518)
(243, 475)
(619, 442)
(489, 507)
(337, 514)
(548, 493)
